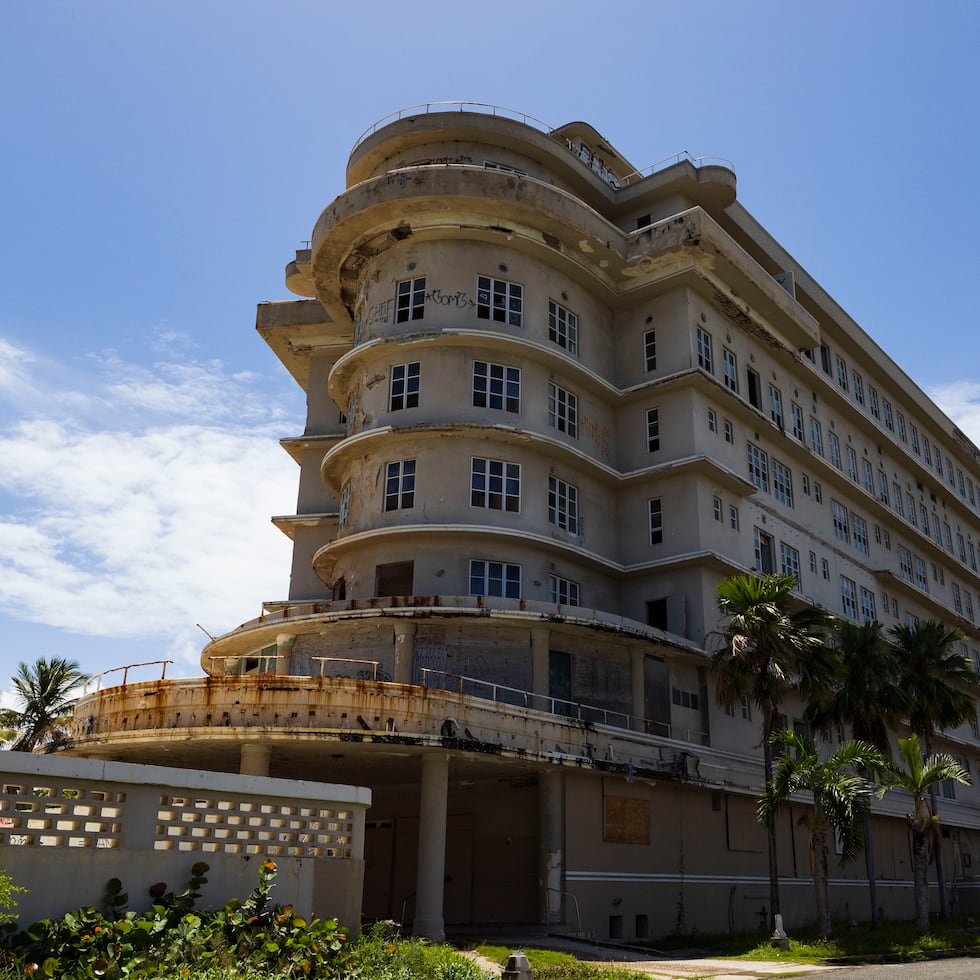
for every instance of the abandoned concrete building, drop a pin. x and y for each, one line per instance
(552, 402)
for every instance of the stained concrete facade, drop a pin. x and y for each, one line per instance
(552, 402)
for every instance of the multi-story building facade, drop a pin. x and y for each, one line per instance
(552, 402)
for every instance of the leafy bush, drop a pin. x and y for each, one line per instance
(8, 900)
(244, 939)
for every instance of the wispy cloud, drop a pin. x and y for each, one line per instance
(139, 507)
(960, 400)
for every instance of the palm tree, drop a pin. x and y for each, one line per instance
(919, 778)
(840, 789)
(769, 644)
(941, 688)
(869, 699)
(43, 690)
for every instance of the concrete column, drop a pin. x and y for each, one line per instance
(638, 683)
(284, 649)
(254, 759)
(540, 648)
(430, 881)
(404, 651)
(551, 846)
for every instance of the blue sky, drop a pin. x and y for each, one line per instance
(163, 161)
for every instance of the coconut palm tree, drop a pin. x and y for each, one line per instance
(919, 777)
(870, 701)
(43, 690)
(941, 688)
(769, 643)
(840, 790)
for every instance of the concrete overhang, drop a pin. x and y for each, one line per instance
(294, 329)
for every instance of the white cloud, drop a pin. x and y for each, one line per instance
(139, 507)
(960, 400)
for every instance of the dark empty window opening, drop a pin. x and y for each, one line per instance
(394, 579)
(657, 613)
(755, 390)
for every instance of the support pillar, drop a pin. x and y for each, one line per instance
(254, 759)
(404, 651)
(540, 649)
(430, 881)
(284, 651)
(638, 685)
(551, 846)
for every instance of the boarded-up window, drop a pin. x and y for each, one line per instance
(627, 820)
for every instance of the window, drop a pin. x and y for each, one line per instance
(716, 509)
(873, 401)
(816, 437)
(782, 483)
(910, 508)
(758, 467)
(924, 517)
(563, 329)
(704, 351)
(813, 562)
(755, 389)
(936, 530)
(883, 487)
(400, 485)
(496, 386)
(897, 499)
(562, 410)
(868, 613)
(973, 555)
(344, 505)
(901, 427)
(921, 579)
(914, 436)
(495, 484)
(858, 388)
(834, 449)
(948, 537)
(729, 433)
(764, 560)
(852, 463)
(970, 492)
(656, 521)
(650, 350)
(937, 460)
(961, 547)
(960, 484)
(869, 477)
(776, 405)
(730, 368)
(905, 563)
(789, 559)
(842, 373)
(848, 595)
(957, 598)
(841, 526)
(495, 578)
(949, 472)
(405, 383)
(825, 358)
(685, 699)
(825, 568)
(562, 505)
(712, 420)
(817, 492)
(926, 451)
(968, 605)
(503, 168)
(410, 300)
(500, 301)
(889, 418)
(733, 518)
(653, 430)
(805, 480)
(859, 530)
(797, 414)
(563, 591)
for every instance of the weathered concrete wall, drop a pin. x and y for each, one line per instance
(69, 825)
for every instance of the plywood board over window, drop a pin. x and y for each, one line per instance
(626, 820)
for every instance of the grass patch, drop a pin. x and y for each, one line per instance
(547, 964)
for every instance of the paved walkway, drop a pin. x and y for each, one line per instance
(668, 969)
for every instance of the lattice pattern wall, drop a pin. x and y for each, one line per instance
(60, 814)
(239, 826)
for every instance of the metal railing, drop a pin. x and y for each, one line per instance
(425, 108)
(578, 914)
(673, 159)
(125, 672)
(362, 675)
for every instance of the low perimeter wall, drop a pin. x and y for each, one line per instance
(69, 825)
